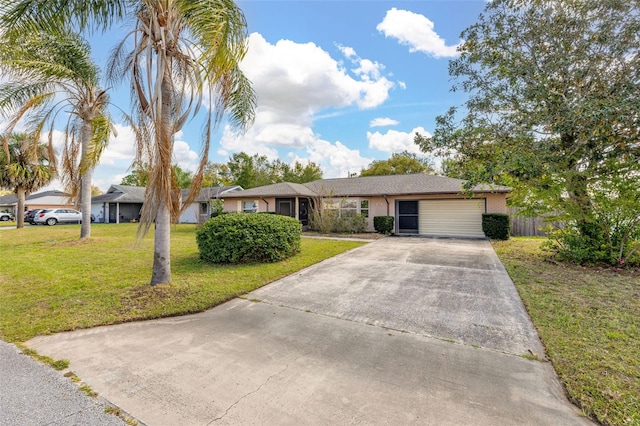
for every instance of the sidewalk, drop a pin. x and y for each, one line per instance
(35, 394)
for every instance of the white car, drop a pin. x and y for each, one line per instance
(51, 217)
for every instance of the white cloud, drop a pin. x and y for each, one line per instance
(416, 31)
(336, 160)
(294, 84)
(383, 122)
(395, 141)
(121, 148)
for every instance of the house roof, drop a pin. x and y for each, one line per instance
(210, 193)
(412, 184)
(135, 194)
(121, 194)
(8, 200)
(53, 193)
(282, 189)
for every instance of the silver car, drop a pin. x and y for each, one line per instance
(51, 217)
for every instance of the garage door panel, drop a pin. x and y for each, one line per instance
(451, 217)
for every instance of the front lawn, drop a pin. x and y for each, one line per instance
(589, 322)
(51, 281)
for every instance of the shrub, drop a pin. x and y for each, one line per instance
(217, 208)
(327, 220)
(243, 238)
(383, 224)
(496, 226)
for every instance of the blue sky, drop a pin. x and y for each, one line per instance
(340, 83)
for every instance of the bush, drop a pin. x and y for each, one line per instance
(592, 246)
(496, 226)
(243, 238)
(217, 208)
(383, 224)
(327, 220)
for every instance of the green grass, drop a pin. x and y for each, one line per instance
(7, 224)
(589, 322)
(50, 281)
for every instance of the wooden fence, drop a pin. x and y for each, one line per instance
(528, 226)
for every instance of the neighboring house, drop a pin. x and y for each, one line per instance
(39, 200)
(8, 204)
(121, 204)
(421, 204)
(49, 200)
(200, 209)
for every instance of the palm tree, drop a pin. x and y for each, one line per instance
(25, 167)
(183, 51)
(51, 74)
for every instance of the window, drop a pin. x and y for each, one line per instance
(249, 207)
(364, 208)
(348, 206)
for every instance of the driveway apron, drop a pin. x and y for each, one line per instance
(400, 331)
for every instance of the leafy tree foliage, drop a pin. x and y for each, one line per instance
(298, 173)
(399, 164)
(553, 111)
(25, 167)
(253, 171)
(137, 177)
(51, 74)
(176, 54)
(216, 174)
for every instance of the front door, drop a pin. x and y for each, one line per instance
(303, 211)
(285, 206)
(113, 212)
(407, 217)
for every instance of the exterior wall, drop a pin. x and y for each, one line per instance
(378, 206)
(234, 205)
(39, 205)
(98, 212)
(191, 214)
(496, 203)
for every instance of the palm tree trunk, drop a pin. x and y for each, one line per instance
(162, 247)
(85, 182)
(164, 150)
(21, 194)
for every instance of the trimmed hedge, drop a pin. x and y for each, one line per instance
(383, 224)
(244, 238)
(496, 226)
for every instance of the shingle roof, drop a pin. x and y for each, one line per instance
(53, 193)
(210, 193)
(282, 189)
(121, 194)
(8, 200)
(135, 194)
(413, 184)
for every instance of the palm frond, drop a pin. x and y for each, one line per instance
(26, 16)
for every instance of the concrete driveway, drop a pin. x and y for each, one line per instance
(400, 331)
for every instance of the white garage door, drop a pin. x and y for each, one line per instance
(455, 218)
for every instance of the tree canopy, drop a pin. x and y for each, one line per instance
(399, 164)
(177, 55)
(554, 111)
(52, 74)
(25, 166)
(250, 171)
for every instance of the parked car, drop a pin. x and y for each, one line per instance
(6, 216)
(51, 217)
(29, 215)
(54, 216)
